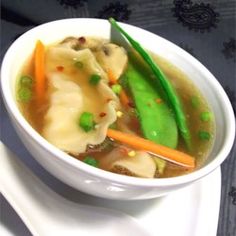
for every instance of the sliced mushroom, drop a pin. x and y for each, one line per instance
(140, 165)
(112, 57)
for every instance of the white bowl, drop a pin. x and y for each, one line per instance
(96, 181)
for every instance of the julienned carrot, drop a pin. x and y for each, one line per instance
(164, 152)
(123, 96)
(39, 70)
(111, 77)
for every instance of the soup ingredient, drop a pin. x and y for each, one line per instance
(70, 94)
(140, 165)
(86, 121)
(195, 102)
(112, 57)
(26, 81)
(111, 77)
(123, 96)
(161, 164)
(168, 88)
(131, 153)
(157, 122)
(78, 64)
(91, 161)
(94, 79)
(204, 135)
(116, 88)
(39, 70)
(24, 94)
(205, 116)
(163, 152)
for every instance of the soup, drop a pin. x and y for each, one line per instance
(101, 104)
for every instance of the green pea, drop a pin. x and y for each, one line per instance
(26, 81)
(91, 161)
(195, 102)
(86, 121)
(205, 116)
(116, 88)
(24, 94)
(94, 79)
(204, 135)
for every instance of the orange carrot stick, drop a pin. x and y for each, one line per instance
(164, 152)
(111, 77)
(39, 70)
(124, 98)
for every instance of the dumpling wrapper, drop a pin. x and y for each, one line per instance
(109, 55)
(112, 57)
(140, 165)
(70, 94)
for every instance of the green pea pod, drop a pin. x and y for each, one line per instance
(166, 85)
(156, 119)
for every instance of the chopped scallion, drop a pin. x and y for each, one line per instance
(24, 94)
(113, 126)
(204, 135)
(94, 79)
(195, 102)
(91, 161)
(86, 121)
(26, 80)
(116, 88)
(205, 116)
(79, 64)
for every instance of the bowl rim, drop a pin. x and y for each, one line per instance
(105, 175)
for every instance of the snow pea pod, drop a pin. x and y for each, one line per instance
(156, 119)
(166, 85)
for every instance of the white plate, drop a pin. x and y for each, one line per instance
(192, 211)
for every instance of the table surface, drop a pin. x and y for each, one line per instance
(206, 29)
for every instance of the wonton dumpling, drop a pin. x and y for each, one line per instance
(70, 94)
(140, 165)
(112, 57)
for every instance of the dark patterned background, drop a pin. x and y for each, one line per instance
(206, 29)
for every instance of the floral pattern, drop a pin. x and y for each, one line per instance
(72, 3)
(198, 17)
(117, 10)
(229, 50)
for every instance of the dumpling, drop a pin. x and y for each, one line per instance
(112, 57)
(140, 165)
(109, 55)
(70, 94)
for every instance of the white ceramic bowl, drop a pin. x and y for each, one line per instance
(96, 181)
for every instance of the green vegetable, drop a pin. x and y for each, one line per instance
(79, 64)
(91, 161)
(204, 135)
(116, 88)
(24, 94)
(160, 163)
(26, 81)
(94, 79)
(195, 102)
(113, 126)
(156, 120)
(86, 121)
(166, 85)
(205, 116)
